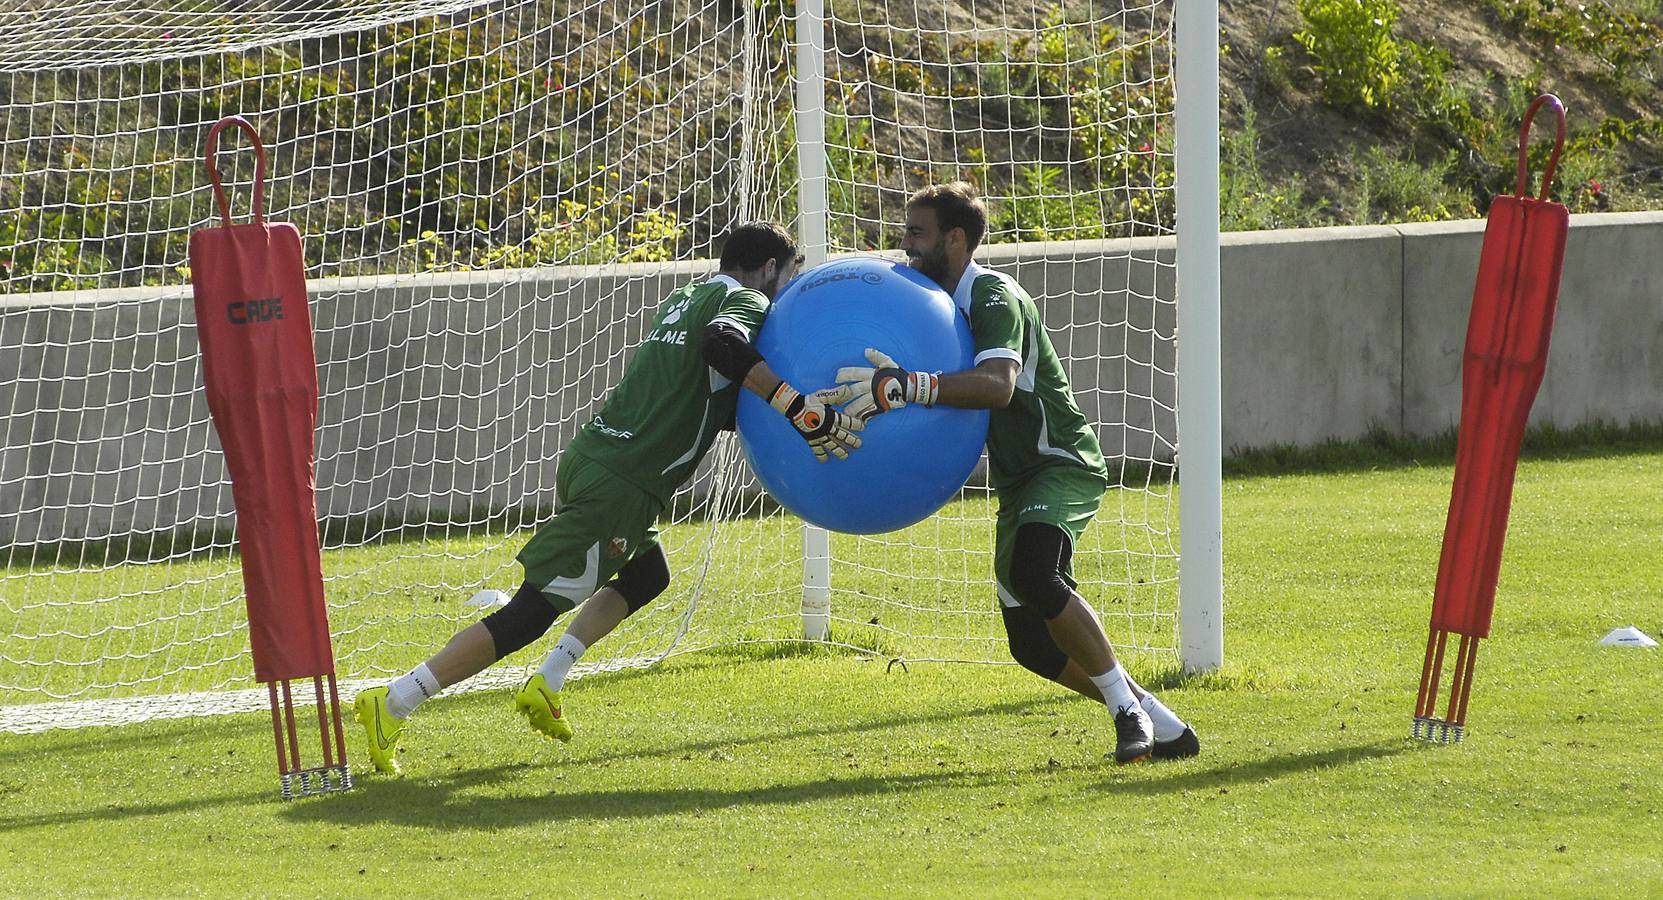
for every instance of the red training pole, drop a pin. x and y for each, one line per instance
(259, 371)
(1505, 360)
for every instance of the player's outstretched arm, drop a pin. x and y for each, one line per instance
(990, 385)
(885, 386)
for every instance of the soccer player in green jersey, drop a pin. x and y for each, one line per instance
(614, 479)
(1043, 461)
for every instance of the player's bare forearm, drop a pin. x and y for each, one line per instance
(987, 386)
(761, 380)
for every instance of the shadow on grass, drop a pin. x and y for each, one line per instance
(444, 806)
(118, 810)
(434, 804)
(44, 746)
(130, 754)
(411, 801)
(1187, 778)
(443, 803)
(1032, 705)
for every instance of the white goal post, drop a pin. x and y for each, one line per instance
(1199, 417)
(1200, 349)
(494, 198)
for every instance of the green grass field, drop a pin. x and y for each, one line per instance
(773, 771)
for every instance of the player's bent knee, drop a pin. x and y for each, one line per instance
(1031, 644)
(1044, 592)
(1039, 561)
(643, 578)
(522, 620)
(1046, 662)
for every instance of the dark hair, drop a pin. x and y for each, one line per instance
(956, 205)
(750, 246)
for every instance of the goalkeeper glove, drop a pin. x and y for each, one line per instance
(826, 430)
(871, 391)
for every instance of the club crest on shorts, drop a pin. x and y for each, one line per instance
(616, 548)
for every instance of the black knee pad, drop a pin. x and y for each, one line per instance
(1031, 643)
(524, 619)
(1041, 555)
(643, 578)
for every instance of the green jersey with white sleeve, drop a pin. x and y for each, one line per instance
(662, 417)
(1042, 426)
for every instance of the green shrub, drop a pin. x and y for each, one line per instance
(1351, 42)
(1392, 189)
(1247, 200)
(1275, 71)
(29, 264)
(1437, 100)
(605, 229)
(1625, 40)
(1039, 209)
(853, 177)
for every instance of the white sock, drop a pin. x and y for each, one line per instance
(410, 690)
(1168, 727)
(1116, 692)
(566, 651)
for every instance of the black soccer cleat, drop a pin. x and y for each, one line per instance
(1183, 746)
(1134, 735)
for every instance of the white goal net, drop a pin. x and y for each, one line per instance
(494, 197)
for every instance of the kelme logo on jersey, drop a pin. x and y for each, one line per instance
(600, 425)
(664, 334)
(1035, 507)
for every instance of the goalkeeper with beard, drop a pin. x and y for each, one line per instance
(600, 551)
(1044, 462)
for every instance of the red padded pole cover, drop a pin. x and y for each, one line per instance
(1506, 357)
(260, 370)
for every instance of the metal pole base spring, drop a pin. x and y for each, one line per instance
(1451, 727)
(316, 781)
(1437, 731)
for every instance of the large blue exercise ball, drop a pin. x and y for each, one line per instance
(912, 460)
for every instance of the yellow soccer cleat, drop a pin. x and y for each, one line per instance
(541, 707)
(381, 728)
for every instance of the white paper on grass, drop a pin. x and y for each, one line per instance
(1627, 637)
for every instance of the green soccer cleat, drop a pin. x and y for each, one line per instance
(381, 728)
(541, 707)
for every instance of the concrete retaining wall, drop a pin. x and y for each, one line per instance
(456, 392)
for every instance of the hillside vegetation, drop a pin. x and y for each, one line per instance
(558, 135)
(1367, 111)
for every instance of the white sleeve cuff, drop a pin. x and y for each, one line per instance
(997, 353)
(733, 323)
